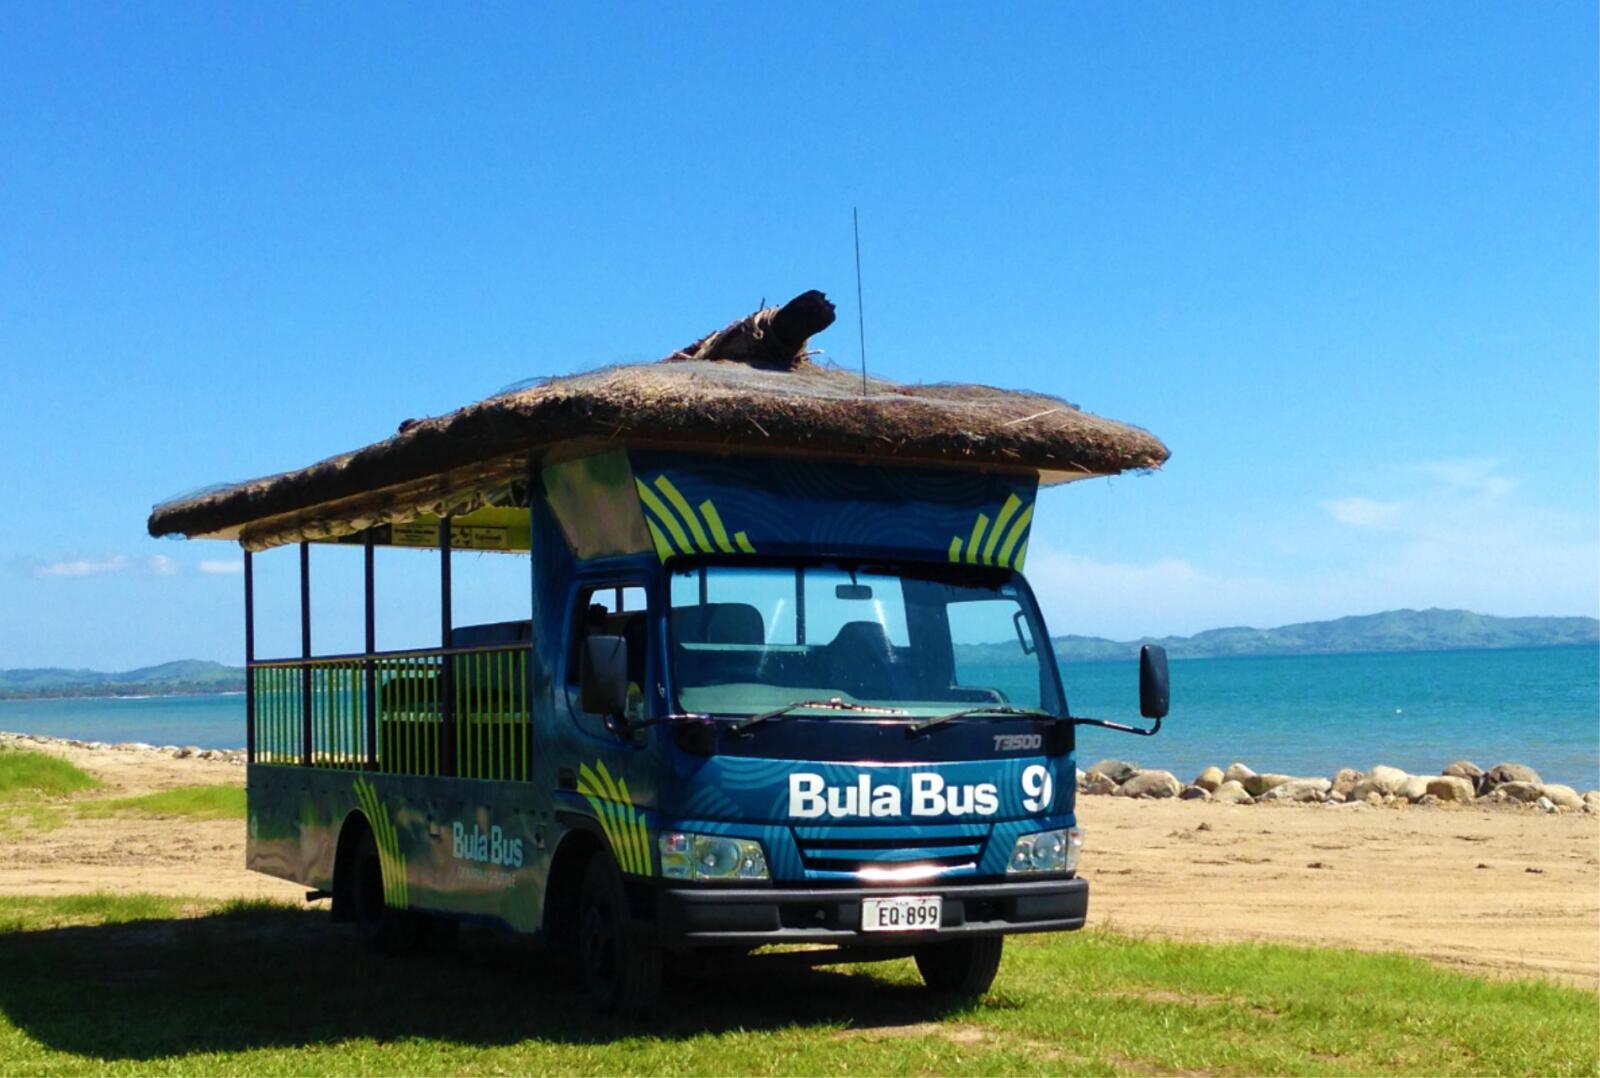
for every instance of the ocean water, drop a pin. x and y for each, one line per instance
(1313, 714)
(1307, 715)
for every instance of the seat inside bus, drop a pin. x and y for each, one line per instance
(494, 632)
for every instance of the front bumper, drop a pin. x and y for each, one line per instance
(750, 916)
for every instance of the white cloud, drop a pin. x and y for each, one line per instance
(83, 567)
(1476, 476)
(161, 565)
(1364, 512)
(222, 566)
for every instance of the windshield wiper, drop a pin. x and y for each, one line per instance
(834, 704)
(991, 711)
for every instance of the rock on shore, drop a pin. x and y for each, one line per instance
(1459, 784)
(177, 752)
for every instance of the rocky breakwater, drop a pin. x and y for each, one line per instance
(177, 752)
(1511, 786)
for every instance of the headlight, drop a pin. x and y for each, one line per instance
(686, 856)
(1046, 851)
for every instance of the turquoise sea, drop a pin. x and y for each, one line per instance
(1298, 714)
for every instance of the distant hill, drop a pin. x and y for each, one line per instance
(184, 677)
(1392, 630)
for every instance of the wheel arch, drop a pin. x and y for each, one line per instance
(352, 830)
(559, 922)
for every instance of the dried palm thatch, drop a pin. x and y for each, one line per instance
(747, 388)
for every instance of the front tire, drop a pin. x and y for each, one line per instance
(621, 968)
(960, 968)
(384, 929)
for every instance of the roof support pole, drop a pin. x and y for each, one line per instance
(305, 654)
(369, 668)
(447, 710)
(249, 659)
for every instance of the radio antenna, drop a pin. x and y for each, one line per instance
(861, 315)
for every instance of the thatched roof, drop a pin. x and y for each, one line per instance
(767, 398)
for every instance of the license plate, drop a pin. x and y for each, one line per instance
(902, 913)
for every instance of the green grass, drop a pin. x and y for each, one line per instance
(114, 984)
(36, 914)
(30, 776)
(194, 802)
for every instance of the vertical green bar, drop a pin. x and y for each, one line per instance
(352, 729)
(330, 708)
(385, 747)
(496, 663)
(341, 713)
(524, 718)
(385, 713)
(325, 718)
(402, 690)
(255, 687)
(358, 711)
(411, 726)
(272, 688)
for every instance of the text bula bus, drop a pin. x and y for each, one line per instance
(491, 848)
(810, 797)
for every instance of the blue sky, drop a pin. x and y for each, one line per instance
(1342, 257)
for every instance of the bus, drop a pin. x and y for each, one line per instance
(780, 680)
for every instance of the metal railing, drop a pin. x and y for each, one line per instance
(492, 714)
(384, 711)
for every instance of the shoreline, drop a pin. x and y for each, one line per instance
(1458, 785)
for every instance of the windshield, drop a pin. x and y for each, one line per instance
(748, 639)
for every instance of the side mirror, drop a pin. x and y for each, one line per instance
(1155, 695)
(603, 675)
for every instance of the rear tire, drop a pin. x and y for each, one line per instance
(621, 967)
(960, 968)
(384, 929)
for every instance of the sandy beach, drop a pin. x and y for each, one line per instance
(1495, 890)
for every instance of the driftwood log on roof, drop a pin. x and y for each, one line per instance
(749, 387)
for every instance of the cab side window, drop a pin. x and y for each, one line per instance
(613, 610)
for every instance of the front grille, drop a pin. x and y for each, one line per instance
(858, 850)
